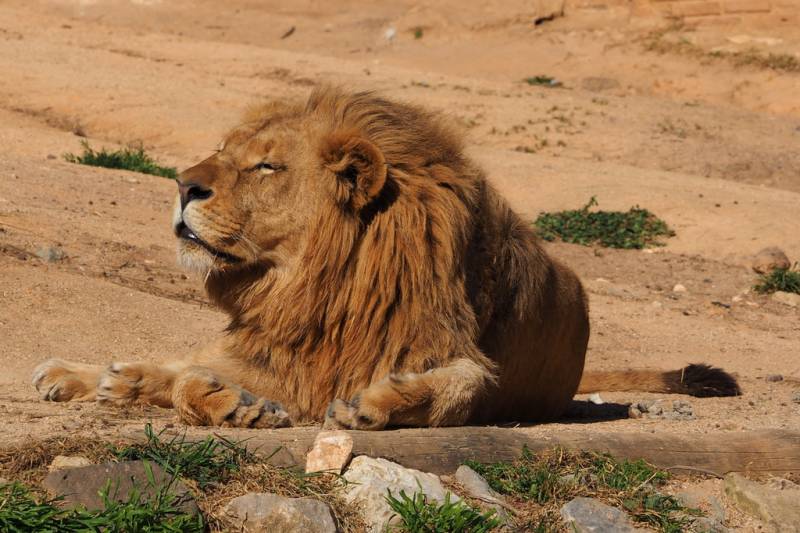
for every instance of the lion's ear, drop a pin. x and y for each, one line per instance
(359, 166)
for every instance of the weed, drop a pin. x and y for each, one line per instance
(134, 159)
(545, 81)
(550, 479)
(23, 510)
(635, 229)
(418, 515)
(209, 460)
(780, 279)
(418, 32)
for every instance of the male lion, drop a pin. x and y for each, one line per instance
(373, 278)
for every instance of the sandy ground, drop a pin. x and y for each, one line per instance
(710, 147)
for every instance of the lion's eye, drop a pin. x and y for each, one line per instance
(267, 168)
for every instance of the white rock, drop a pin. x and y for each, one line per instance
(370, 479)
(596, 399)
(390, 33)
(678, 288)
(587, 515)
(61, 462)
(787, 298)
(330, 453)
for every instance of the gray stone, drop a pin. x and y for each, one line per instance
(796, 396)
(51, 254)
(264, 512)
(330, 453)
(769, 259)
(369, 481)
(60, 462)
(82, 485)
(477, 487)
(705, 524)
(587, 515)
(773, 378)
(674, 410)
(780, 508)
(787, 298)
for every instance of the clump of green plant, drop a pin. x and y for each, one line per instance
(552, 478)
(418, 32)
(22, 509)
(636, 228)
(134, 159)
(418, 515)
(546, 81)
(780, 279)
(209, 460)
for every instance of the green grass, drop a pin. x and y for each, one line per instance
(550, 479)
(134, 159)
(545, 81)
(780, 279)
(206, 461)
(418, 515)
(636, 228)
(23, 510)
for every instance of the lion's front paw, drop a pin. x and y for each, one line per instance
(60, 381)
(257, 413)
(119, 384)
(353, 415)
(203, 399)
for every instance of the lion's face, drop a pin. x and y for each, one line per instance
(252, 202)
(248, 203)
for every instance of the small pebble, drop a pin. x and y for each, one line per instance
(772, 378)
(678, 288)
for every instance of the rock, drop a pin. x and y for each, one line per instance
(769, 259)
(477, 487)
(678, 288)
(796, 396)
(257, 512)
(369, 480)
(587, 515)
(390, 33)
(787, 298)
(330, 453)
(708, 525)
(773, 378)
(51, 254)
(776, 507)
(675, 410)
(700, 496)
(598, 84)
(81, 485)
(596, 399)
(60, 462)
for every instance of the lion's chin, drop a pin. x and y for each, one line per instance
(195, 258)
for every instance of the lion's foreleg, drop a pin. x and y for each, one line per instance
(143, 383)
(443, 396)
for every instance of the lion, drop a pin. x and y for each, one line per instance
(373, 278)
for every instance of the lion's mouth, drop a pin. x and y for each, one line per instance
(182, 231)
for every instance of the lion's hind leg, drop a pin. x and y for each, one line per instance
(63, 381)
(445, 396)
(203, 398)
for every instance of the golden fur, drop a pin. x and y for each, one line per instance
(372, 276)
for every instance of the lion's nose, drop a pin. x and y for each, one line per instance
(192, 191)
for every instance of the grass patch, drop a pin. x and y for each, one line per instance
(133, 159)
(636, 228)
(22, 509)
(660, 42)
(544, 482)
(544, 81)
(780, 279)
(212, 459)
(418, 515)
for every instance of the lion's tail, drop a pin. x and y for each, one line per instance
(696, 380)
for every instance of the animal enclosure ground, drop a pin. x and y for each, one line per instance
(87, 261)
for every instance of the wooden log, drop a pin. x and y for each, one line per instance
(442, 450)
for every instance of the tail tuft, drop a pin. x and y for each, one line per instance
(704, 381)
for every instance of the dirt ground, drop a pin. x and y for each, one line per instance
(711, 147)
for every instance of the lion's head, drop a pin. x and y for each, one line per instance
(254, 200)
